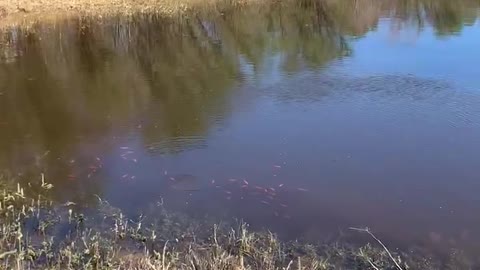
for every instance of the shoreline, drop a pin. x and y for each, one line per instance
(27, 12)
(38, 233)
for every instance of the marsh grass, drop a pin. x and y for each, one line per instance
(36, 233)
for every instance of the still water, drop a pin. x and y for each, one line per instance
(304, 118)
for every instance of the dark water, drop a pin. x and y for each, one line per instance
(304, 118)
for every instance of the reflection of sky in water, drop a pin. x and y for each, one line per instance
(387, 50)
(453, 58)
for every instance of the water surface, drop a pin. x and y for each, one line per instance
(303, 118)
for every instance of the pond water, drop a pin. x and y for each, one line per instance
(305, 118)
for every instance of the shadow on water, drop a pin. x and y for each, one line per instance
(248, 107)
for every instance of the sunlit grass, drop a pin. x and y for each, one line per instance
(26, 12)
(36, 233)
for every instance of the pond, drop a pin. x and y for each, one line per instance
(305, 118)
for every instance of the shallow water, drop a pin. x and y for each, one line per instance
(306, 118)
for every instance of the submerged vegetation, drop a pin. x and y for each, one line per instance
(37, 233)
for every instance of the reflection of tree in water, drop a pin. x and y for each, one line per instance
(189, 77)
(356, 17)
(192, 65)
(84, 81)
(39, 113)
(449, 17)
(303, 34)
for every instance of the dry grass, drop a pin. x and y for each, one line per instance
(36, 233)
(22, 12)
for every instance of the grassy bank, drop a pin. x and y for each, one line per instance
(22, 12)
(36, 233)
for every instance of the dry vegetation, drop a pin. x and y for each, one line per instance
(28, 11)
(36, 233)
